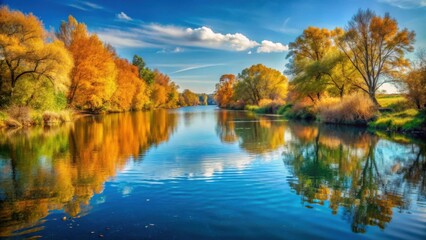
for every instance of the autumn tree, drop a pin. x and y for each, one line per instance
(225, 90)
(260, 82)
(126, 96)
(375, 46)
(318, 66)
(164, 91)
(203, 99)
(26, 54)
(189, 98)
(94, 73)
(415, 81)
(306, 55)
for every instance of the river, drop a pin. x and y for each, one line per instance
(205, 173)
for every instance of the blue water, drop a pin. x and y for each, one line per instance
(205, 173)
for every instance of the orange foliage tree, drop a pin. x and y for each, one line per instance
(131, 90)
(164, 91)
(225, 90)
(94, 73)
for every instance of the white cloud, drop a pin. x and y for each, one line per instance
(268, 47)
(85, 6)
(200, 37)
(78, 7)
(178, 50)
(124, 16)
(92, 5)
(197, 67)
(172, 39)
(119, 38)
(406, 4)
(175, 50)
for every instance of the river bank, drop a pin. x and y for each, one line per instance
(395, 115)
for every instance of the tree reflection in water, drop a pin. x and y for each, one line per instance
(256, 135)
(63, 168)
(359, 176)
(349, 169)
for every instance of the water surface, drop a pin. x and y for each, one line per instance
(205, 173)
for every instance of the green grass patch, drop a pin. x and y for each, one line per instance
(394, 102)
(408, 120)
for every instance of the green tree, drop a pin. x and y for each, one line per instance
(307, 64)
(260, 82)
(144, 72)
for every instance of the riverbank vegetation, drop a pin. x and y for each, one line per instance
(335, 76)
(48, 76)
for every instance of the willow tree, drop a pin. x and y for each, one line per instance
(376, 46)
(26, 53)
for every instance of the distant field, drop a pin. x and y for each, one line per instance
(391, 99)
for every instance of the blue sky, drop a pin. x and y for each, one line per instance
(195, 41)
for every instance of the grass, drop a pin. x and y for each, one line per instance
(408, 120)
(393, 102)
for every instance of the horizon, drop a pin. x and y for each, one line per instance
(221, 37)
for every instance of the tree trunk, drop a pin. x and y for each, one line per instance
(419, 107)
(372, 96)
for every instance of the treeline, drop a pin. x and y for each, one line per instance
(335, 75)
(72, 68)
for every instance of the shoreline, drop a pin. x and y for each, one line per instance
(9, 123)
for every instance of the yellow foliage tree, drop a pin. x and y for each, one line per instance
(26, 53)
(260, 82)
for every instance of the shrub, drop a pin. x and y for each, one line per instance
(355, 109)
(65, 116)
(36, 118)
(12, 123)
(266, 106)
(251, 107)
(20, 114)
(237, 105)
(3, 115)
(300, 110)
(51, 118)
(284, 108)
